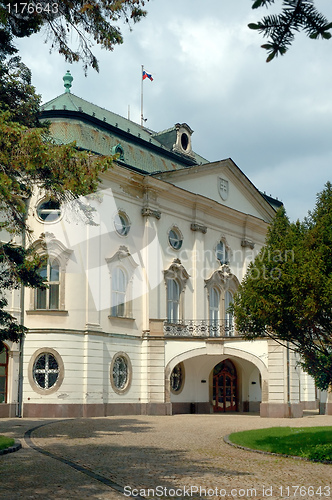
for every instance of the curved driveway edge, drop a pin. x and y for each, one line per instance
(282, 455)
(74, 465)
(11, 449)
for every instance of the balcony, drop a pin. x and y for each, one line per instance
(200, 328)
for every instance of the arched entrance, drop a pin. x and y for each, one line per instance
(224, 396)
(3, 373)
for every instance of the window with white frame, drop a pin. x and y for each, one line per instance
(220, 288)
(119, 288)
(52, 298)
(176, 278)
(222, 253)
(229, 326)
(173, 301)
(122, 268)
(214, 311)
(49, 298)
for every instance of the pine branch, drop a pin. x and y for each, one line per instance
(296, 15)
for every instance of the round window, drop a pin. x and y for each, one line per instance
(46, 371)
(177, 378)
(120, 373)
(175, 239)
(121, 223)
(49, 210)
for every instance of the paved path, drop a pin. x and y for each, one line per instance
(173, 457)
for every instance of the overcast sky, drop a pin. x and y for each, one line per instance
(274, 120)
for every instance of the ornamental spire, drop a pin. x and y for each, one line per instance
(67, 79)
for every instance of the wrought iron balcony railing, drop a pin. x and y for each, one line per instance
(199, 328)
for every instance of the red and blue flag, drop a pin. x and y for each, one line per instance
(147, 75)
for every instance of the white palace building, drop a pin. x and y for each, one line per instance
(135, 319)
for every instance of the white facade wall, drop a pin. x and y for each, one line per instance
(86, 336)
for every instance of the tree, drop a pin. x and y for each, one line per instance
(295, 15)
(17, 95)
(89, 19)
(286, 294)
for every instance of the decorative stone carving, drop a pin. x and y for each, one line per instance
(149, 212)
(198, 227)
(178, 272)
(247, 244)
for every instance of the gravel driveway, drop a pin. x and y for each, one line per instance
(182, 456)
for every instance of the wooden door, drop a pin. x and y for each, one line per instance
(224, 387)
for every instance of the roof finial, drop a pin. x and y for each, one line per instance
(67, 79)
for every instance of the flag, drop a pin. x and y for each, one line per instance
(147, 75)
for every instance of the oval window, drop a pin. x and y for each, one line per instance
(184, 141)
(175, 239)
(177, 378)
(121, 373)
(46, 371)
(122, 224)
(49, 210)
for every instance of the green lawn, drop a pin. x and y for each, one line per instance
(5, 442)
(314, 443)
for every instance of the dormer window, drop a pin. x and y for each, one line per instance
(183, 139)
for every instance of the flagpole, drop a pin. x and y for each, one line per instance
(142, 119)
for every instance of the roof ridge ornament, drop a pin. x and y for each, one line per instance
(67, 79)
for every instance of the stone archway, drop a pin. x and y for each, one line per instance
(248, 390)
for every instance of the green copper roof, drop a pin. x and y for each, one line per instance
(99, 130)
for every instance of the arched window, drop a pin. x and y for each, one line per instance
(3, 373)
(173, 300)
(119, 287)
(49, 297)
(176, 278)
(229, 320)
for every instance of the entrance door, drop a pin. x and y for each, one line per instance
(224, 387)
